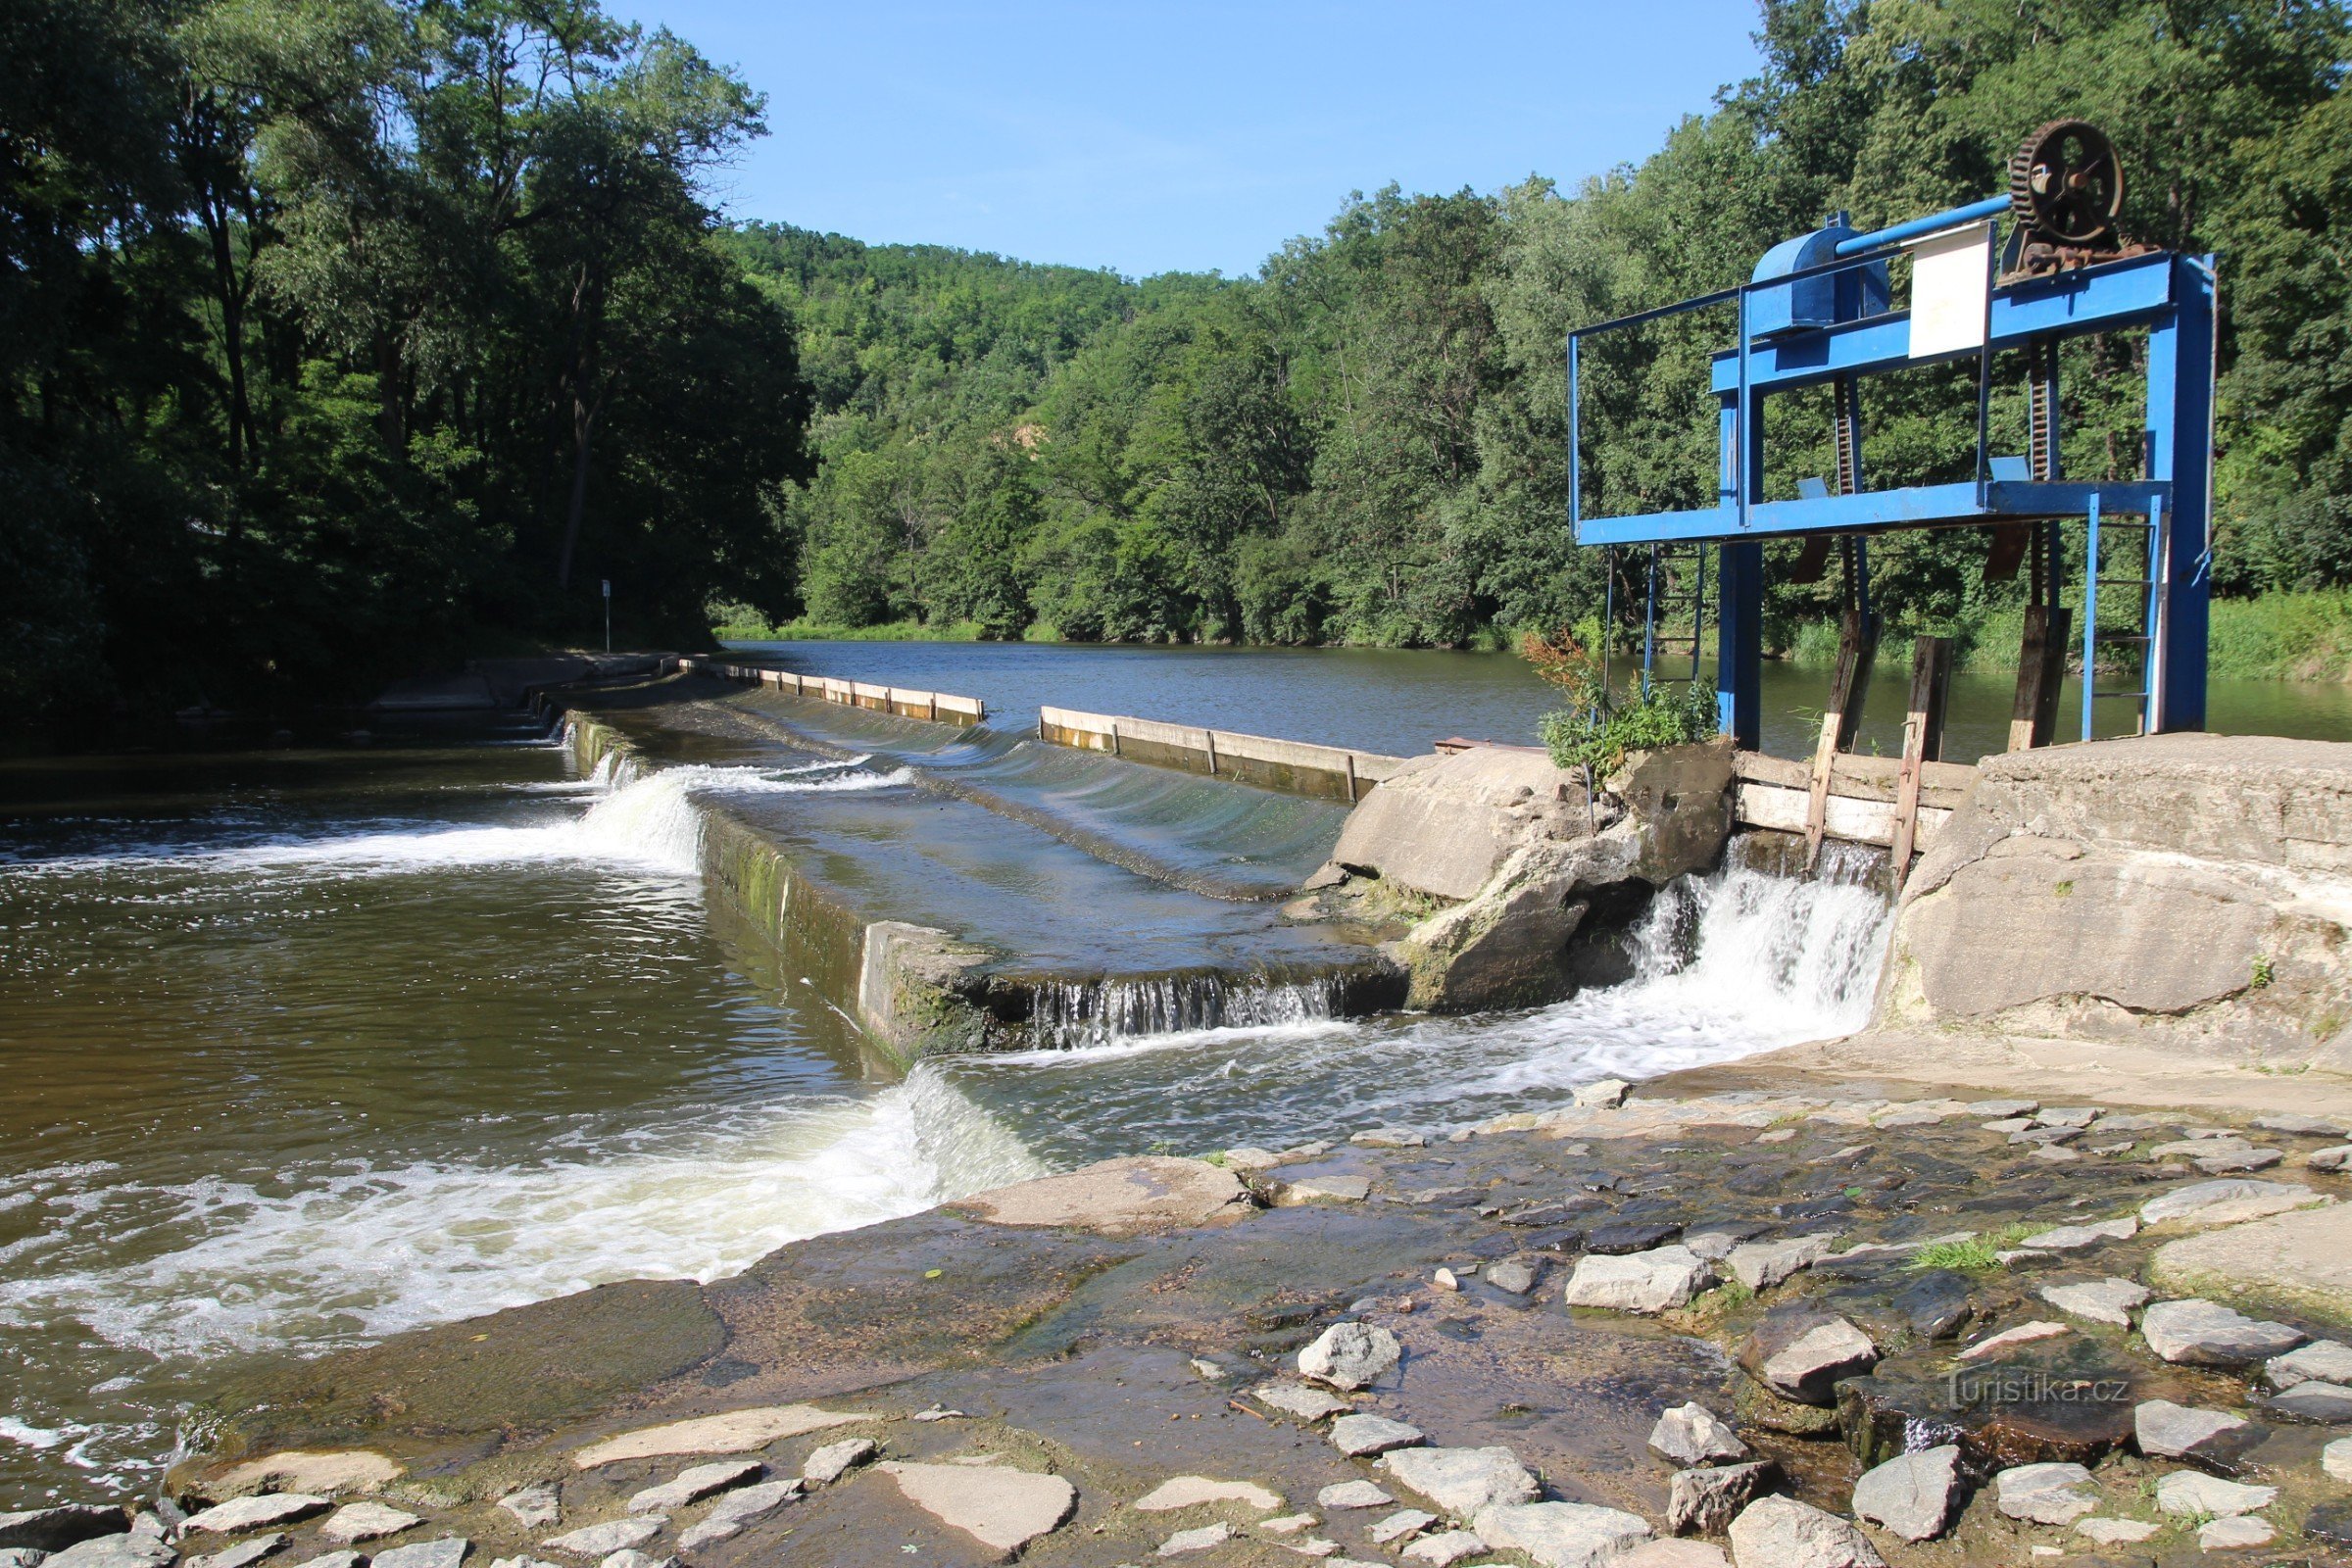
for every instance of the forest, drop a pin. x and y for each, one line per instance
(342, 338)
(1367, 442)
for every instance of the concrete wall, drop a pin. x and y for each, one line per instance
(1331, 771)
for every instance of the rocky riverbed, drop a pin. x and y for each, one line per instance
(1783, 1330)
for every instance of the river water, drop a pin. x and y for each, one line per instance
(309, 1046)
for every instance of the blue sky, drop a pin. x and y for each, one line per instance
(1153, 137)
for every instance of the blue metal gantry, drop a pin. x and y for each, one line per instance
(1816, 312)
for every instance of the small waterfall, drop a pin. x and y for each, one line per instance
(1796, 957)
(1069, 1015)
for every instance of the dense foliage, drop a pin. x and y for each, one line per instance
(1367, 442)
(1595, 725)
(338, 336)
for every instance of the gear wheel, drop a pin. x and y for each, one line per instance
(2066, 185)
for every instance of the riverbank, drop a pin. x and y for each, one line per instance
(1124, 1363)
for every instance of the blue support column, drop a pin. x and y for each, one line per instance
(1739, 642)
(2179, 427)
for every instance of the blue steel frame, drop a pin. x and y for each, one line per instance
(2170, 295)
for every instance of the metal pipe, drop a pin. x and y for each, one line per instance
(1975, 212)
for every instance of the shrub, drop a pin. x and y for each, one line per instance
(1597, 727)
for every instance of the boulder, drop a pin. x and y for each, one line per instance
(2193, 1491)
(1561, 1535)
(2136, 890)
(1801, 1353)
(1119, 1197)
(1693, 1434)
(1442, 824)
(2107, 1301)
(997, 1505)
(2295, 1262)
(2164, 1430)
(1606, 1095)
(2044, 1493)
(1357, 1435)
(1652, 1281)
(1783, 1533)
(1915, 1495)
(1351, 1355)
(1462, 1481)
(1511, 1277)
(2199, 1332)
(1706, 1500)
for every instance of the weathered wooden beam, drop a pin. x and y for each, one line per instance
(1923, 739)
(1840, 722)
(2040, 672)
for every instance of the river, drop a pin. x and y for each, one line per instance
(306, 1047)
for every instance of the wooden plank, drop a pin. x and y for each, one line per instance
(2040, 671)
(1922, 737)
(1783, 810)
(1839, 722)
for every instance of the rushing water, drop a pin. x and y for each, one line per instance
(306, 1048)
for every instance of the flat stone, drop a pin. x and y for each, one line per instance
(1801, 1353)
(2336, 1459)
(613, 1534)
(1694, 1435)
(446, 1552)
(1296, 1398)
(1346, 1495)
(736, 1431)
(2164, 1430)
(2055, 1155)
(2299, 1263)
(254, 1512)
(1403, 1522)
(2044, 1493)
(2219, 1161)
(632, 1557)
(535, 1506)
(2068, 1115)
(124, 1550)
(2228, 1202)
(2328, 1403)
(1360, 1434)
(2002, 1107)
(1389, 1138)
(347, 1558)
(243, 1554)
(326, 1472)
(2193, 1491)
(1510, 1277)
(2117, 1532)
(1665, 1553)
(1630, 1236)
(1915, 1495)
(2199, 1333)
(2239, 1533)
(1936, 1305)
(1707, 1498)
(1191, 1492)
(1289, 1524)
(1199, 1539)
(1462, 1481)
(2107, 1301)
(2301, 1126)
(1351, 1355)
(1605, 1094)
(1252, 1160)
(735, 1513)
(695, 1484)
(2336, 1158)
(1322, 1190)
(2011, 1125)
(1561, 1535)
(1118, 1198)
(1760, 1265)
(368, 1520)
(2069, 1238)
(1783, 1533)
(2328, 1360)
(830, 1463)
(995, 1505)
(55, 1529)
(1444, 1550)
(1642, 1282)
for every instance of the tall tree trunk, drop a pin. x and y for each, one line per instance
(583, 431)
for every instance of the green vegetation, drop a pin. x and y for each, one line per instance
(339, 337)
(1978, 1254)
(1365, 443)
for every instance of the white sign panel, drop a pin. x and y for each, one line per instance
(1951, 283)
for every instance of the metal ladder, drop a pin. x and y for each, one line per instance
(2139, 548)
(1677, 582)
